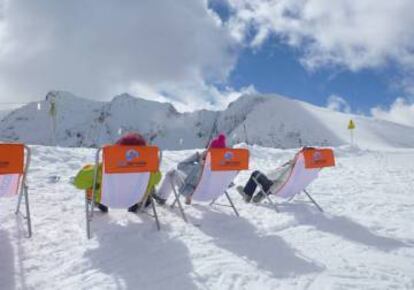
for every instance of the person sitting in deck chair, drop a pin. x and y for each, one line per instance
(291, 178)
(187, 174)
(272, 181)
(84, 178)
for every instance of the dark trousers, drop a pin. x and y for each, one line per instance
(250, 186)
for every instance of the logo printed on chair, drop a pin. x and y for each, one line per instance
(228, 156)
(131, 154)
(318, 158)
(229, 159)
(129, 159)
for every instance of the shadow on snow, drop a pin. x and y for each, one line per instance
(6, 262)
(269, 253)
(341, 226)
(137, 256)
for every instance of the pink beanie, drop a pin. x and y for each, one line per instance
(219, 142)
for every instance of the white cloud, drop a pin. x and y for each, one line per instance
(401, 111)
(337, 103)
(353, 34)
(98, 48)
(183, 97)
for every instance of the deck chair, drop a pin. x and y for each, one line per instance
(220, 169)
(307, 164)
(13, 172)
(125, 176)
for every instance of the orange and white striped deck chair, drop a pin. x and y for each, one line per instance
(126, 173)
(220, 169)
(14, 164)
(307, 164)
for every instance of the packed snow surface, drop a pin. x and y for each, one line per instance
(364, 240)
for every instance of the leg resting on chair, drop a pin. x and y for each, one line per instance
(266, 193)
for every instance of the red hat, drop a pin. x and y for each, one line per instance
(219, 142)
(131, 139)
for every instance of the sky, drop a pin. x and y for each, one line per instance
(351, 56)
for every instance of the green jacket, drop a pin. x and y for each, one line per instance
(84, 180)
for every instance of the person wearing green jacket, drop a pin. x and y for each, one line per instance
(84, 178)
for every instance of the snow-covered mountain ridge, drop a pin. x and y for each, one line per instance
(267, 120)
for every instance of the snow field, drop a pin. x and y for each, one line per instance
(364, 240)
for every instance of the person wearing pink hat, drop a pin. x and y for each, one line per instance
(219, 141)
(187, 173)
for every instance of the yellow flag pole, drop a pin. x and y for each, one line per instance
(351, 127)
(52, 114)
(352, 136)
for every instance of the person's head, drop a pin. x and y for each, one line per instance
(219, 141)
(132, 139)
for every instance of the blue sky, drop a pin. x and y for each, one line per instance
(275, 67)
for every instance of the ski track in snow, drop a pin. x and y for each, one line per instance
(365, 239)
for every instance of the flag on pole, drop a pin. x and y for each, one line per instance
(52, 114)
(351, 125)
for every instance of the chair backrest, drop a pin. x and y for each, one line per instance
(306, 166)
(13, 168)
(220, 169)
(126, 172)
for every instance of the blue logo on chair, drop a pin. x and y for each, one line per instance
(317, 156)
(131, 154)
(228, 155)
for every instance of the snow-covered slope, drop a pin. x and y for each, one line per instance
(364, 240)
(82, 122)
(267, 120)
(280, 122)
(4, 113)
